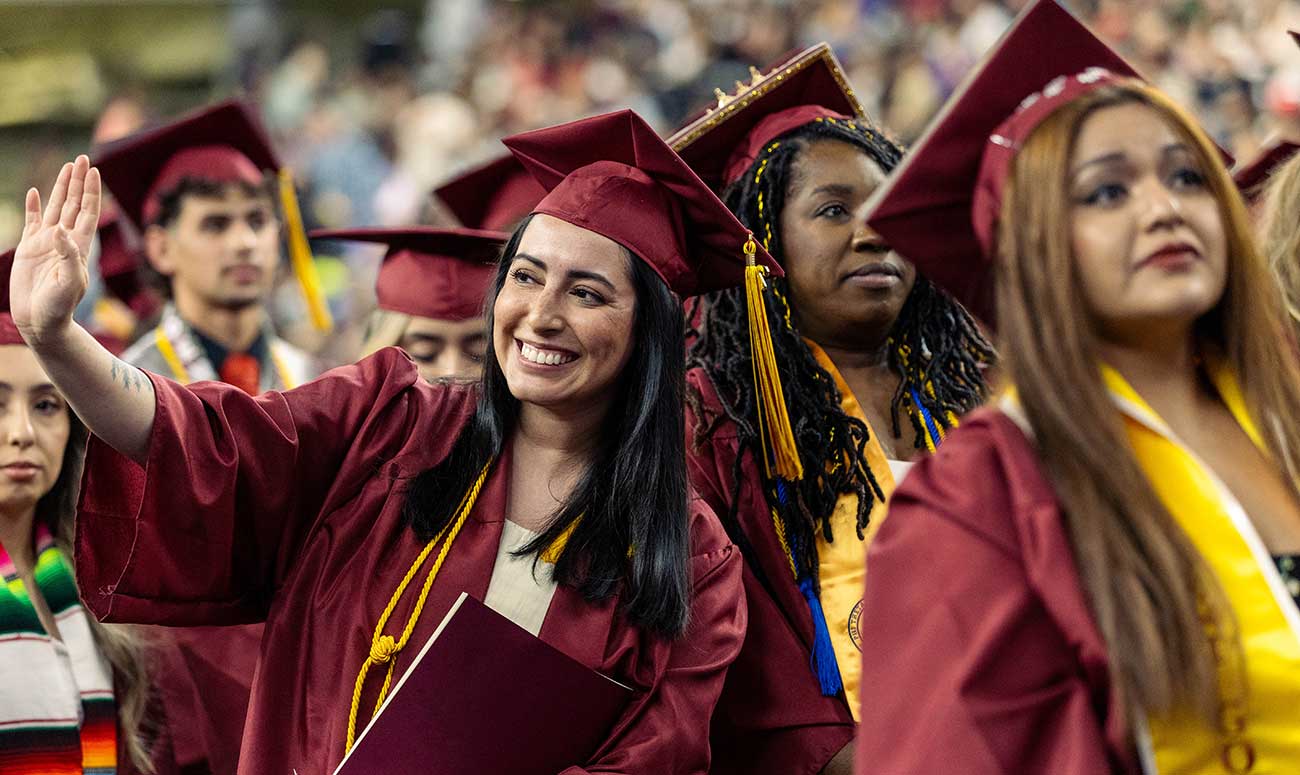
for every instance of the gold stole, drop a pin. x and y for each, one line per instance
(842, 563)
(1267, 697)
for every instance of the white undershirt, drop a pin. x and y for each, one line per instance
(514, 591)
(899, 469)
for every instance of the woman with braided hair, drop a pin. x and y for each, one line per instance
(875, 364)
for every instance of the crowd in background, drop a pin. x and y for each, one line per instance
(419, 95)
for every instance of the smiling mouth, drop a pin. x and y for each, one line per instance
(544, 357)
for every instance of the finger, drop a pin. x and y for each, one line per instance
(57, 195)
(67, 249)
(76, 186)
(83, 231)
(33, 211)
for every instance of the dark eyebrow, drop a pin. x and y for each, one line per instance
(44, 387)
(1117, 156)
(1109, 158)
(426, 337)
(572, 274)
(583, 274)
(834, 189)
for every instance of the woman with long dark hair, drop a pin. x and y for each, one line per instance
(74, 694)
(352, 512)
(875, 366)
(1081, 580)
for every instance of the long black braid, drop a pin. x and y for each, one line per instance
(935, 346)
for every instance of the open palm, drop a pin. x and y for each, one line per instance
(49, 273)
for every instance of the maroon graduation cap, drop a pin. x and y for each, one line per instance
(1251, 176)
(611, 174)
(723, 141)
(427, 272)
(224, 143)
(120, 260)
(494, 196)
(940, 205)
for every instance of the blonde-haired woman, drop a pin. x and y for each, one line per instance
(73, 693)
(430, 294)
(1279, 231)
(1080, 580)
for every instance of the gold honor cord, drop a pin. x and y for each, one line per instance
(385, 648)
(782, 458)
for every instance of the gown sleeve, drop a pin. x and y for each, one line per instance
(233, 485)
(978, 652)
(666, 730)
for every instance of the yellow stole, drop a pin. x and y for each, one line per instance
(841, 563)
(1262, 682)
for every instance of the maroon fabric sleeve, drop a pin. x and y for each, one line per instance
(666, 730)
(978, 646)
(233, 485)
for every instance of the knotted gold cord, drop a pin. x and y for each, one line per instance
(385, 648)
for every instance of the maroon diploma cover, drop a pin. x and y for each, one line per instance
(486, 696)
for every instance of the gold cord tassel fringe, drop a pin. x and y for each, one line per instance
(775, 434)
(384, 648)
(304, 268)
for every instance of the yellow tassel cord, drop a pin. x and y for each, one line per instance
(384, 648)
(304, 268)
(773, 418)
(552, 553)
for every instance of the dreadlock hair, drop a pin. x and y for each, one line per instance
(934, 345)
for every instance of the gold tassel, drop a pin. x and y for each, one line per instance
(773, 419)
(304, 268)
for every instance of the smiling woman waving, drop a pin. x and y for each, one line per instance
(554, 488)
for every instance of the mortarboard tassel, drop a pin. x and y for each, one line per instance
(824, 664)
(823, 661)
(781, 457)
(304, 268)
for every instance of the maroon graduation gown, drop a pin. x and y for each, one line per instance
(771, 717)
(287, 507)
(204, 676)
(979, 646)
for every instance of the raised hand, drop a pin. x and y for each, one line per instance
(49, 273)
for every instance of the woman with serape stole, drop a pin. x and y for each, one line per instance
(870, 366)
(1081, 581)
(76, 696)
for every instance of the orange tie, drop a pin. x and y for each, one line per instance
(243, 371)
